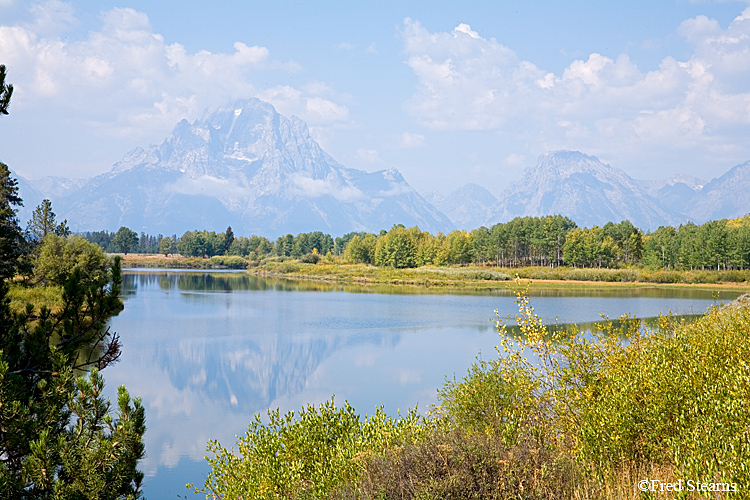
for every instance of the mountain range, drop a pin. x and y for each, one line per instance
(244, 165)
(590, 192)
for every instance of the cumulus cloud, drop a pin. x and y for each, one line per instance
(325, 110)
(51, 17)
(411, 140)
(468, 82)
(127, 81)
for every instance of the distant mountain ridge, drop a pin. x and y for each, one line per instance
(583, 188)
(727, 196)
(590, 192)
(246, 166)
(468, 207)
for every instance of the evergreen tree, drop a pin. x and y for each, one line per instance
(12, 242)
(58, 437)
(5, 92)
(43, 222)
(228, 239)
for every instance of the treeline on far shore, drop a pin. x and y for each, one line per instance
(551, 241)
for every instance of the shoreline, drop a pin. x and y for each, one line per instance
(467, 277)
(490, 285)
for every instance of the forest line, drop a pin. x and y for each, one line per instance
(550, 241)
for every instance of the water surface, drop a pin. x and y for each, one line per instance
(207, 350)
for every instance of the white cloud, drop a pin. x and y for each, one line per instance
(314, 188)
(396, 189)
(127, 81)
(368, 155)
(699, 28)
(326, 111)
(467, 82)
(515, 160)
(466, 29)
(207, 185)
(411, 140)
(51, 17)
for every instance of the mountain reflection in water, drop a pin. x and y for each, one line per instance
(208, 350)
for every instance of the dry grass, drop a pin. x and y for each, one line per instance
(173, 261)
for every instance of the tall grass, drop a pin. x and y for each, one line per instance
(38, 296)
(633, 274)
(332, 269)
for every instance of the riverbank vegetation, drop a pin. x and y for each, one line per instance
(488, 276)
(589, 418)
(540, 248)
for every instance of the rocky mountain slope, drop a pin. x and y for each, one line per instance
(583, 188)
(246, 166)
(725, 197)
(590, 192)
(468, 207)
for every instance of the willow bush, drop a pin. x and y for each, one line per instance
(678, 396)
(304, 454)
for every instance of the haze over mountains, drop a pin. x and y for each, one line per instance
(247, 166)
(590, 192)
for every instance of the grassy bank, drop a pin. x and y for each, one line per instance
(591, 418)
(176, 261)
(470, 277)
(491, 277)
(366, 274)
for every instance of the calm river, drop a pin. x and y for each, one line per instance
(207, 350)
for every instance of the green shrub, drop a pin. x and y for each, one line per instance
(496, 397)
(664, 276)
(303, 455)
(59, 256)
(310, 258)
(681, 398)
(678, 396)
(486, 274)
(288, 267)
(228, 261)
(733, 276)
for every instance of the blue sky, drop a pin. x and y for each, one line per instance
(447, 93)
